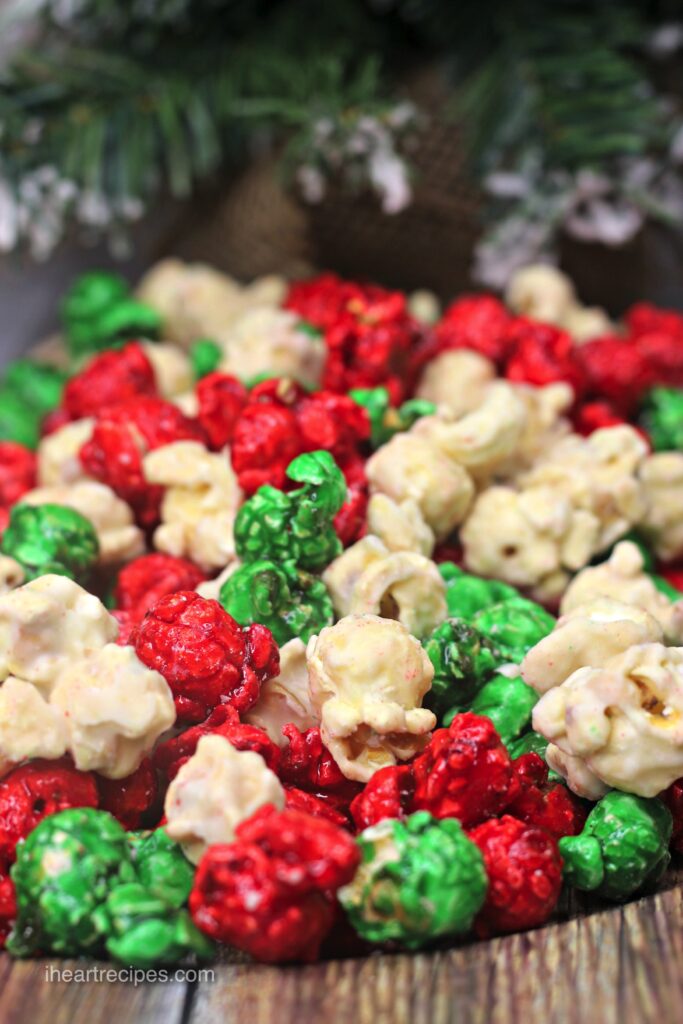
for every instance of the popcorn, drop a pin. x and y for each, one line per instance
(369, 579)
(199, 506)
(11, 574)
(620, 725)
(588, 635)
(541, 292)
(47, 624)
(59, 454)
(661, 477)
(272, 341)
(412, 467)
(214, 791)
(399, 525)
(172, 368)
(456, 380)
(114, 708)
(29, 726)
(286, 698)
(118, 537)
(368, 677)
(623, 578)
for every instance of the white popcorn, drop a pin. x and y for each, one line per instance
(588, 635)
(661, 476)
(399, 526)
(58, 461)
(456, 380)
(424, 306)
(11, 574)
(47, 624)
(211, 589)
(114, 710)
(587, 322)
(286, 698)
(412, 468)
(172, 368)
(272, 341)
(118, 536)
(541, 292)
(29, 726)
(199, 505)
(368, 579)
(623, 578)
(214, 791)
(368, 677)
(621, 725)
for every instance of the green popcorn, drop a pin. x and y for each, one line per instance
(161, 866)
(463, 660)
(514, 625)
(419, 879)
(98, 311)
(63, 873)
(143, 930)
(297, 526)
(624, 846)
(18, 422)
(385, 419)
(662, 417)
(508, 702)
(39, 385)
(205, 356)
(528, 743)
(466, 595)
(290, 602)
(50, 539)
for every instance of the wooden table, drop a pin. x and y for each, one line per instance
(623, 965)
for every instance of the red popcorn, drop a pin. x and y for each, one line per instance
(479, 322)
(147, 579)
(616, 370)
(171, 755)
(663, 354)
(122, 435)
(221, 399)
(130, 800)
(283, 391)
(53, 420)
(307, 764)
(8, 906)
(350, 521)
(265, 441)
(542, 354)
(127, 622)
(673, 798)
(32, 791)
(388, 794)
(205, 657)
(320, 301)
(644, 318)
(595, 416)
(525, 875)
(332, 422)
(109, 378)
(270, 892)
(17, 472)
(298, 800)
(543, 804)
(465, 772)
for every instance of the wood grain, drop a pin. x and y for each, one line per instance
(617, 966)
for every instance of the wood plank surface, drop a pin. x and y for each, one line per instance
(623, 965)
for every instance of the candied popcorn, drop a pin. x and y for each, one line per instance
(11, 574)
(199, 505)
(456, 380)
(618, 726)
(369, 579)
(58, 454)
(588, 635)
(399, 525)
(29, 726)
(661, 477)
(114, 710)
(47, 624)
(118, 537)
(214, 791)
(286, 698)
(623, 578)
(368, 677)
(545, 424)
(541, 292)
(172, 368)
(411, 467)
(273, 342)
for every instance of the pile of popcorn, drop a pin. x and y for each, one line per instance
(328, 620)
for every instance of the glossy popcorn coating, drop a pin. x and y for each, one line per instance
(368, 677)
(48, 539)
